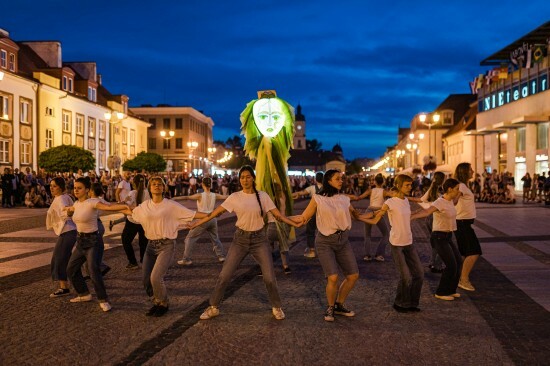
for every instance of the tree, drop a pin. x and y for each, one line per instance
(313, 145)
(354, 167)
(234, 143)
(151, 162)
(66, 158)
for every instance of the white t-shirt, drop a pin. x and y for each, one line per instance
(125, 189)
(85, 215)
(376, 197)
(332, 213)
(247, 208)
(400, 220)
(311, 189)
(161, 220)
(57, 218)
(466, 207)
(207, 202)
(131, 200)
(445, 216)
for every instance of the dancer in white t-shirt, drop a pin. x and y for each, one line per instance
(444, 223)
(250, 206)
(333, 212)
(403, 252)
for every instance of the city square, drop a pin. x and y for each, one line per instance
(197, 183)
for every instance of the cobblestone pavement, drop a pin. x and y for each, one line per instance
(505, 322)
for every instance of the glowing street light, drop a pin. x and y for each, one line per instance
(167, 135)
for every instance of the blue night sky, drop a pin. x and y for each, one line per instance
(358, 68)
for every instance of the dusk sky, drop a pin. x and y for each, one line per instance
(359, 69)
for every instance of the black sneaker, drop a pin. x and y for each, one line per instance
(161, 310)
(400, 309)
(105, 271)
(287, 270)
(152, 311)
(60, 292)
(132, 266)
(329, 314)
(340, 309)
(111, 224)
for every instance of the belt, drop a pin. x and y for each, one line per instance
(251, 232)
(156, 241)
(84, 235)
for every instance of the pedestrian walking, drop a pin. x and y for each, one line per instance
(333, 211)
(65, 229)
(468, 243)
(132, 228)
(89, 247)
(250, 206)
(206, 202)
(311, 226)
(431, 195)
(160, 218)
(444, 224)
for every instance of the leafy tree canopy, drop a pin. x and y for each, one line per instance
(314, 145)
(66, 158)
(151, 162)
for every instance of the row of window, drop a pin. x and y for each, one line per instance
(7, 62)
(25, 108)
(5, 151)
(542, 137)
(67, 84)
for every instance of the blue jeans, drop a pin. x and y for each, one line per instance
(91, 253)
(448, 251)
(411, 276)
(157, 260)
(245, 242)
(61, 255)
(211, 227)
(384, 229)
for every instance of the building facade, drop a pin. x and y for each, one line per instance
(182, 135)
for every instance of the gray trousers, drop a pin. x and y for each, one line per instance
(157, 260)
(411, 276)
(245, 242)
(210, 227)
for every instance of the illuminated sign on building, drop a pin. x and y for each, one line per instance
(513, 93)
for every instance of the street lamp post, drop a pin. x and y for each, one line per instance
(192, 145)
(413, 145)
(167, 135)
(425, 121)
(211, 152)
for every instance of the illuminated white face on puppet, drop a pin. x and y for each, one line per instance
(269, 116)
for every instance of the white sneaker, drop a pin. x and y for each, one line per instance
(221, 259)
(278, 313)
(105, 306)
(84, 298)
(379, 258)
(210, 312)
(309, 253)
(185, 262)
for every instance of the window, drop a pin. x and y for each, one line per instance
(152, 142)
(12, 62)
(71, 85)
(66, 121)
(166, 144)
(153, 122)
(26, 152)
(124, 135)
(520, 139)
(25, 111)
(94, 96)
(447, 118)
(5, 110)
(102, 129)
(91, 127)
(179, 123)
(64, 84)
(3, 59)
(79, 124)
(132, 137)
(179, 143)
(4, 151)
(49, 138)
(91, 94)
(542, 135)
(49, 112)
(166, 123)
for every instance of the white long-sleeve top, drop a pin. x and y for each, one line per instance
(56, 218)
(161, 220)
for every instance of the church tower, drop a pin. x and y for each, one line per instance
(300, 130)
